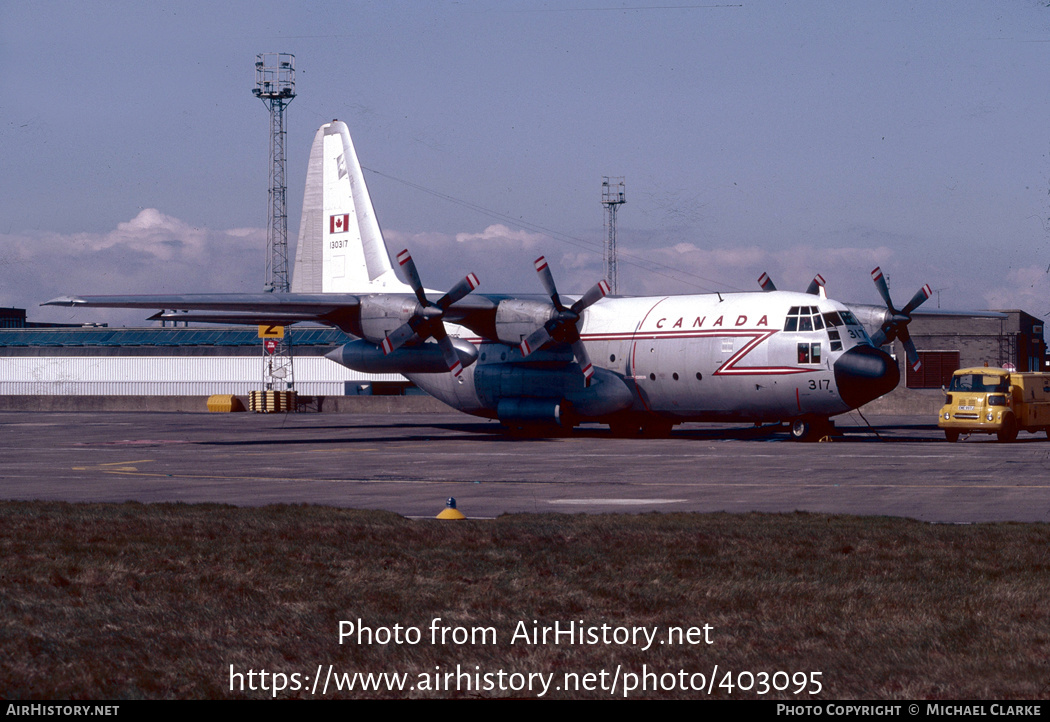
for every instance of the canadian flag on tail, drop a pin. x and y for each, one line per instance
(339, 223)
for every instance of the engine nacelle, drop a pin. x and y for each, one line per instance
(424, 358)
(380, 315)
(871, 317)
(517, 318)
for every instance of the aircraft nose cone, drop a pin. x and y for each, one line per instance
(865, 373)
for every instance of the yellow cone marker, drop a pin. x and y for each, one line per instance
(451, 512)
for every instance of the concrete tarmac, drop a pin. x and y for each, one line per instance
(410, 463)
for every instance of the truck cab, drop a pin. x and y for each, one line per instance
(995, 401)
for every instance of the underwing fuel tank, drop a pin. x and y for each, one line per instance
(424, 358)
(526, 394)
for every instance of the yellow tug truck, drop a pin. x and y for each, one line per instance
(995, 401)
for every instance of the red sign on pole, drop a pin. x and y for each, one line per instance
(270, 344)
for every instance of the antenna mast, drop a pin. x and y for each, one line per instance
(612, 198)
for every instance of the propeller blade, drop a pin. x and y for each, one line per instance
(547, 279)
(579, 350)
(917, 300)
(594, 294)
(458, 291)
(398, 338)
(815, 285)
(884, 290)
(766, 283)
(448, 350)
(534, 341)
(409, 266)
(909, 348)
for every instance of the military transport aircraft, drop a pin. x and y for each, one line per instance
(639, 365)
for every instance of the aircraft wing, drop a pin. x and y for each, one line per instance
(342, 310)
(315, 303)
(333, 309)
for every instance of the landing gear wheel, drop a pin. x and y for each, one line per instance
(951, 435)
(810, 429)
(1008, 432)
(801, 429)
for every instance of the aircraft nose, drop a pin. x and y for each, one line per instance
(865, 373)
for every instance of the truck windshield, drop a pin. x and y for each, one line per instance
(978, 383)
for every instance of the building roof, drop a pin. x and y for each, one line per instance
(154, 337)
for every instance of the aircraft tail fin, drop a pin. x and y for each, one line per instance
(341, 248)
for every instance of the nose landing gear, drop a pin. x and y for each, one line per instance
(811, 428)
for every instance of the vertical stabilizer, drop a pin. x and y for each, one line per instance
(341, 249)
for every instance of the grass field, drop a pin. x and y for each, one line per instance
(158, 601)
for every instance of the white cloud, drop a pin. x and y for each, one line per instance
(499, 233)
(1027, 289)
(151, 253)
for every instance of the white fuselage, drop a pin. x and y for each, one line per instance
(699, 357)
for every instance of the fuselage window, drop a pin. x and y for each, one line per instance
(809, 353)
(833, 336)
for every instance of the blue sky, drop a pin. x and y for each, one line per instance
(793, 138)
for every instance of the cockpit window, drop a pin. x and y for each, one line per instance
(803, 318)
(831, 319)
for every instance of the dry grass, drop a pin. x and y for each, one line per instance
(134, 601)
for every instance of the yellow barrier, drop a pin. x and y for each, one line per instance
(270, 402)
(224, 403)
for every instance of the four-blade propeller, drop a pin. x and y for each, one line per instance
(564, 325)
(896, 326)
(428, 320)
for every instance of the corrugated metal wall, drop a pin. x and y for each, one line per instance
(167, 376)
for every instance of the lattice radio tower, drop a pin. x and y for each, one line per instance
(275, 86)
(612, 198)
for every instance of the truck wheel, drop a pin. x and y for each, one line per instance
(951, 435)
(1008, 432)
